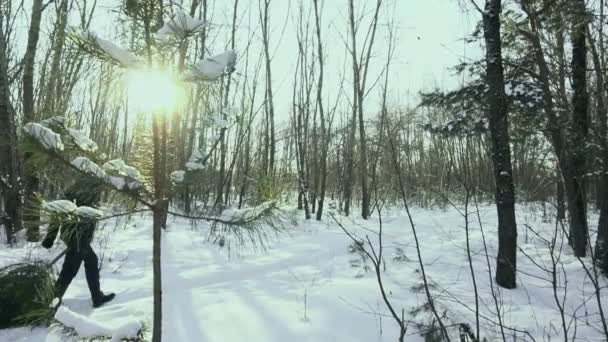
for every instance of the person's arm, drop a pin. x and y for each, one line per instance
(51, 235)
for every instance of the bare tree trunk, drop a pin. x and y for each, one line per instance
(9, 161)
(601, 242)
(357, 110)
(32, 218)
(51, 99)
(324, 135)
(506, 261)
(300, 109)
(579, 232)
(360, 65)
(269, 101)
(349, 163)
(555, 133)
(561, 205)
(159, 222)
(222, 179)
(159, 135)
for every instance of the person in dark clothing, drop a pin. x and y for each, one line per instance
(78, 236)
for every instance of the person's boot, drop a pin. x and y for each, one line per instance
(102, 298)
(60, 288)
(92, 275)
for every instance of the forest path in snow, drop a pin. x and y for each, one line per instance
(307, 286)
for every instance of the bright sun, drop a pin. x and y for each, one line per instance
(154, 90)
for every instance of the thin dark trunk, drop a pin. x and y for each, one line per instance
(269, 101)
(9, 161)
(159, 221)
(556, 132)
(501, 151)
(156, 265)
(350, 164)
(601, 242)
(32, 217)
(561, 205)
(576, 184)
(51, 100)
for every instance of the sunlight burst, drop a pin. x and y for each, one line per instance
(154, 90)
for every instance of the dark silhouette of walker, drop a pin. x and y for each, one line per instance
(78, 236)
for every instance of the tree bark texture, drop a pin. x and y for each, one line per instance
(501, 152)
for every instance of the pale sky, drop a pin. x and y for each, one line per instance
(429, 41)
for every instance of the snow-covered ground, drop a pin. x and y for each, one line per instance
(307, 286)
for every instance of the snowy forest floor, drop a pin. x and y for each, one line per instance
(307, 286)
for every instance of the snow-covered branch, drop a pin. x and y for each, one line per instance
(212, 68)
(181, 26)
(96, 46)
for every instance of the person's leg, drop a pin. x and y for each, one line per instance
(71, 264)
(91, 267)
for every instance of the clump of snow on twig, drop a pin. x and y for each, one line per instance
(82, 141)
(85, 165)
(91, 42)
(178, 176)
(194, 166)
(88, 212)
(60, 207)
(246, 214)
(123, 175)
(44, 135)
(56, 301)
(86, 327)
(119, 182)
(196, 161)
(69, 207)
(121, 168)
(219, 122)
(180, 26)
(212, 68)
(53, 121)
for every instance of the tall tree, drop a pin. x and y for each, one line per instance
(580, 124)
(29, 60)
(324, 144)
(222, 175)
(269, 137)
(10, 194)
(53, 88)
(360, 73)
(601, 242)
(561, 129)
(506, 262)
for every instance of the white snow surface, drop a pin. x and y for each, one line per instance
(180, 26)
(212, 294)
(60, 207)
(212, 68)
(82, 140)
(44, 135)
